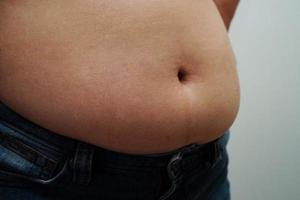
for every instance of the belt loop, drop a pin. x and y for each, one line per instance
(82, 163)
(214, 152)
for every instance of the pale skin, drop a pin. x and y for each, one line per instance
(107, 72)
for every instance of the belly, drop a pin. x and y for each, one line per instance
(133, 76)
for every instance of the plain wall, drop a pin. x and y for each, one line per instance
(265, 138)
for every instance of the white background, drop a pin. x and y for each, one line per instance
(264, 146)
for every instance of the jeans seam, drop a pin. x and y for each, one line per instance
(82, 163)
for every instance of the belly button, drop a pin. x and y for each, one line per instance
(182, 75)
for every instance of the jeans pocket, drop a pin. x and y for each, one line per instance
(24, 158)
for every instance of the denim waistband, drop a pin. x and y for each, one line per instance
(34, 131)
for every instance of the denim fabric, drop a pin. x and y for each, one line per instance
(37, 164)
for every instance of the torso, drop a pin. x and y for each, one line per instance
(106, 72)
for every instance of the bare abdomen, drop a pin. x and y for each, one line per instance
(137, 77)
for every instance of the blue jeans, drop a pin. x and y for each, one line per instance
(37, 164)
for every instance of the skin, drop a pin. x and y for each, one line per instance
(106, 72)
(227, 10)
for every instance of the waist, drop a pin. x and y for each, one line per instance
(131, 123)
(35, 143)
(52, 155)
